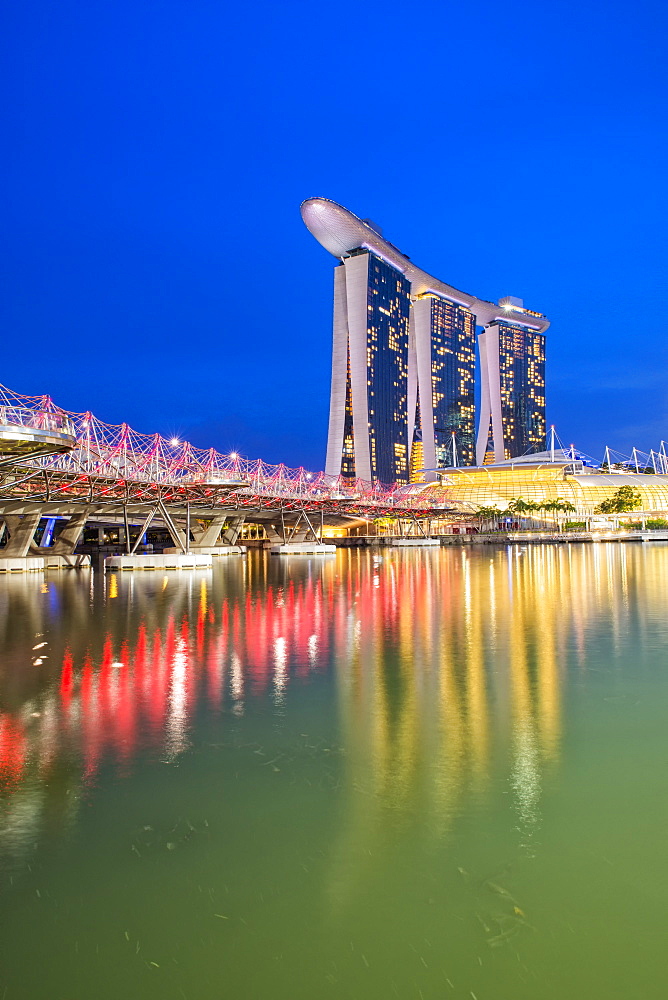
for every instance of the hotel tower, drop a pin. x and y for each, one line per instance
(512, 397)
(403, 363)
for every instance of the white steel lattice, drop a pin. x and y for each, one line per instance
(118, 456)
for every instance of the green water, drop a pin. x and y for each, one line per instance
(428, 775)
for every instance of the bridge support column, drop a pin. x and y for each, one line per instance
(208, 539)
(231, 534)
(302, 528)
(21, 530)
(208, 534)
(275, 536)
(177, 532)
(68, 539)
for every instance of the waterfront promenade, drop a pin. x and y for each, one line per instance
(505, 538)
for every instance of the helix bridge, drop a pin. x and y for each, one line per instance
(55, 462)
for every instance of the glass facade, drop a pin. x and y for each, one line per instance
(388, 308)
(391, 445)
(416, 465)
(522, 378)
(348, 453)
(452, 381)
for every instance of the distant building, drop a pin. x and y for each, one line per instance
(368, 420)
(546, 476)
(512, 398)
(445, 360)
(403, 361)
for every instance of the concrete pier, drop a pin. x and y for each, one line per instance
(210, 550)
(303, 549)
(37, 564)
(387, 542)
(166, 561)
(410, 543)
(21, 564)
(59, 561)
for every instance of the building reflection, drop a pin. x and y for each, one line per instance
(449, 670)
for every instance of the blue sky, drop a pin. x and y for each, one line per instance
(155, 268)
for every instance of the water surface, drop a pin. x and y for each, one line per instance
(425, 774)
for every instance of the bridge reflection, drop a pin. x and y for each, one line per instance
(432, 659)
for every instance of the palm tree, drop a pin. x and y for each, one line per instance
(549, 506)
(488, 514)
(557, 507)
(522, 507)
(564, 507)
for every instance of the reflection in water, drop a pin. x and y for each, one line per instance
(405, 696)
(431, 652)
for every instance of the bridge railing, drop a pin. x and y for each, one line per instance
(37, 419)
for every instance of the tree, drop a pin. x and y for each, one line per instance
(562, 507)
(622, 501)
(551, 506)
(488, 514)
(521, 506)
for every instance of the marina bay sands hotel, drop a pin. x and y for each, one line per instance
(403, 363)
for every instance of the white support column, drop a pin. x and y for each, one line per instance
(490, 401)
(68, 539)
(208, 534)
(337, 398)
(485, 406)
(21, 531)
(231, 534)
